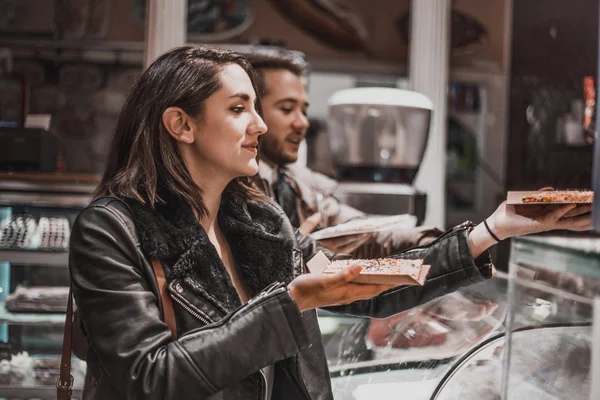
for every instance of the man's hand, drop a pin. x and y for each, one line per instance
(311, 291)
(310, 224)
(340, 245)
(345, 244)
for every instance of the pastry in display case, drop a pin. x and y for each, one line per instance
(554, 290)
(546, 367)
(546, 351)
(528, 335)
(411, 352)
(35, 221)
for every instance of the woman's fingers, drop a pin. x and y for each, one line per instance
(346, 275)
(322, 290)
(560, 212)
(579, 210)
(357, 291)
(578, 223)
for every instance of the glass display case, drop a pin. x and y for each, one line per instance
(413, 351)
(35, 221)
(531, 334)
(553, 308)
(546, 351)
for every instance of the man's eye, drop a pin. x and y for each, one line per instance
(237, 110)
(286, 110)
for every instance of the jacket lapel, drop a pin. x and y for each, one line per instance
(259, 235)
(261, 240)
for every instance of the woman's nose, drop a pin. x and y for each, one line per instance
(260, 128)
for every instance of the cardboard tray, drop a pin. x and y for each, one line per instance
(516, 198)
(366, 225)
(391, 279)
(318, 264)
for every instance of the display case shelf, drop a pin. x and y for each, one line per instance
(34, 392)
(35, 257)
(12, 318)
(579, 255)
(23, 382)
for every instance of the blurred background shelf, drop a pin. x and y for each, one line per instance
(12, 318)
(35, 257)
(34, 392)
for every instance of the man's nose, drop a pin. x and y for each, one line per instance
(301, 122)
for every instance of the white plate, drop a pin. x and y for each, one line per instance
(366, 225)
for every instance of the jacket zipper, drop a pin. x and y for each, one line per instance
(265, 383)
(194, 313)
(301, 379)
(272, 288)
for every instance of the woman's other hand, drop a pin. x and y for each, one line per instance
(509, 220)
(321, 290)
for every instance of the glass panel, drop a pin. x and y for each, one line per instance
(412, 351)
(553, 283)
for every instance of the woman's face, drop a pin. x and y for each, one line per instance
(226, 138)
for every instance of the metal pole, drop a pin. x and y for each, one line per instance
(428, 74)
(166, 27)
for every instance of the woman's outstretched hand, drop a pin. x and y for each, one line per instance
(321, 290)
(510, 220)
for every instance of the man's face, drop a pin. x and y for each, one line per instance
(284, 111)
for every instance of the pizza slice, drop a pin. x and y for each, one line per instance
(384, 270)
(560, 196)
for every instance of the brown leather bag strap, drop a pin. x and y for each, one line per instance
(64, 384)
(165, 298)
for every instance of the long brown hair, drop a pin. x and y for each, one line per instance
(144, 160)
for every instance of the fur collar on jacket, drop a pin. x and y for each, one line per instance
(259, 234)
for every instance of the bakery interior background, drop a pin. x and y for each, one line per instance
(535, 54)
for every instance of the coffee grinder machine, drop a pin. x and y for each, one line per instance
(377, 138)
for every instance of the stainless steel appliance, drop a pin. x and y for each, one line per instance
(377, 138)
(378, 134)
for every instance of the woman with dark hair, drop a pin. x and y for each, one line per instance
(176, 192)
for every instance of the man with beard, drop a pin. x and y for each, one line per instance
(285, 104)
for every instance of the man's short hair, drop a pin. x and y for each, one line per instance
(260, 62)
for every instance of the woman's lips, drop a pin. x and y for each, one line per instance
(252, 147)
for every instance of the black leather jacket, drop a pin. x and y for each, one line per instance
(222, 345)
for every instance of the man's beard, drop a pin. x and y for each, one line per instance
(277, 157)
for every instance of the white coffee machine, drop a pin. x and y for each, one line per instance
(377, 138)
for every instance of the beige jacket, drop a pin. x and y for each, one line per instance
(311, 183)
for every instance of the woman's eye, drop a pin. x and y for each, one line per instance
(237, 110)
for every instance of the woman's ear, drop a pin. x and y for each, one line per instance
(179, 125)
